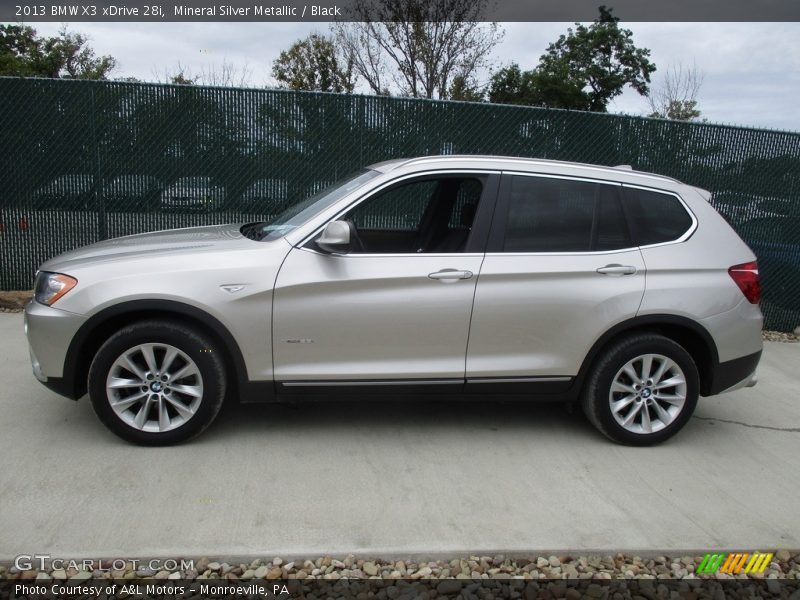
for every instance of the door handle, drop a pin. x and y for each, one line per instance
(450, 275)
(617, 270)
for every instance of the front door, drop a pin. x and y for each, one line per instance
(396, 308)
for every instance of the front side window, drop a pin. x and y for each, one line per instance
(299, 213)
(656, 217)
(562, 215)
(427, 215)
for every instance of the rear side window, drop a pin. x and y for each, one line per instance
(656, 217)
(561, 215)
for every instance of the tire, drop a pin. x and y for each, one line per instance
(641, 406)
(175, 410)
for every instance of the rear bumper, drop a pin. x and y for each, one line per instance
(734, 374)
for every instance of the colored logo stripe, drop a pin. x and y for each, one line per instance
(734, 562)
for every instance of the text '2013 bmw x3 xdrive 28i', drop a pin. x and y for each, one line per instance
(461, 275)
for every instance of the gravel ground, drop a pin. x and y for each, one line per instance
(785, 565)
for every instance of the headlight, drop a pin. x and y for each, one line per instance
(50, 287)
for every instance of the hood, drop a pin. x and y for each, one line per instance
(189, 240)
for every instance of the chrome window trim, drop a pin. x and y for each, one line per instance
(569, 177)
(588, 253)
(404, 254)
(369, 194)
(686, 235)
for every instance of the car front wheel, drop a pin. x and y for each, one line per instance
(157, 383)
(642, 391)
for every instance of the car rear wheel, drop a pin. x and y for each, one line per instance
(642, 391)
(157, 383)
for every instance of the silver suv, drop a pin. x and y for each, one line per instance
(460, 275)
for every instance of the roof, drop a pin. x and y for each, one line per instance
(510, 162)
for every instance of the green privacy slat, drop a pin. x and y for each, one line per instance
(83, 160)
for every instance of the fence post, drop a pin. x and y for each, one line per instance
(99, 188)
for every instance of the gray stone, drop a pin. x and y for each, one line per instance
(449, 586)
(261, 572)
(774, 586)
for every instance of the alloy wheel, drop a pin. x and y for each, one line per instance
(648, 393)
(154, 387)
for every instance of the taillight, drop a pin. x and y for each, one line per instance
(746, 277)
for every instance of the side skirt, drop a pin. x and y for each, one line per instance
(530, 389)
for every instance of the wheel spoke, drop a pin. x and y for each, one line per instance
(117, 383)
(663, 415)
(125, 403)
(133, 367)
(149, 357)
(141, 416)
(169, 357)
(185, 371)
(630, 372)
(163, 416)
(618, 386)
(632, 415)
(180, 407)
(647, 427)
(618, 405)
(189, 390)
(673, 381)
(676, 400)
(647, 365)
(665, 365)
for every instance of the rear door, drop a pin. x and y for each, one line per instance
(560, 270)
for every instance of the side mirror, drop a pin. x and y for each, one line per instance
(335, 237)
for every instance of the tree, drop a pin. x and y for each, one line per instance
(676, 97)
(466, 90)
(511, 85)
(314, 64)
(65, 56)
(418, 48)
(584, 69)
(225, 74)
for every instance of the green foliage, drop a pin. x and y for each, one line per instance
(583, 70)
(66, 56)
(314, 64)
(464, 89)
(511, 85)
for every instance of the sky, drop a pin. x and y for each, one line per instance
(751, 71)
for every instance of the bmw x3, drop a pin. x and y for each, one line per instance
(462, 277)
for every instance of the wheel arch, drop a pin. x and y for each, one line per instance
(692, 336)
(99, 327)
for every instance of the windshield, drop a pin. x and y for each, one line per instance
(297, 214)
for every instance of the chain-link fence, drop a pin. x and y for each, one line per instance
(84, 161)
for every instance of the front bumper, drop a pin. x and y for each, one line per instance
(50, 332)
